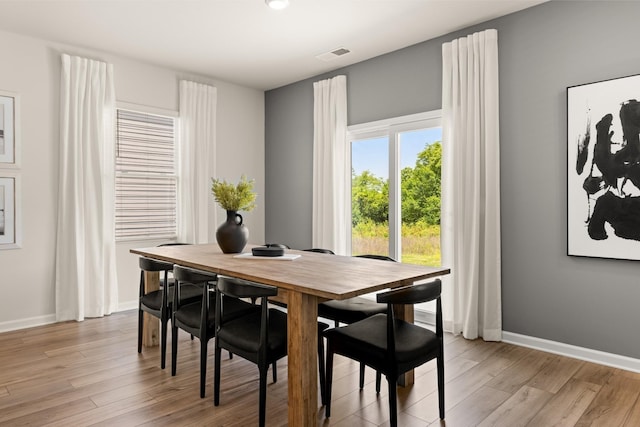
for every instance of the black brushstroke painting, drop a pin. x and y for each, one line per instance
(583, 149)
(614, 178)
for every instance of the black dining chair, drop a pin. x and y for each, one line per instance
(198, 318)
(352, 310)
(259, 337)
(158, 303)
(389, 345)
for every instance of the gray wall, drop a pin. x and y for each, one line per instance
(591, 303)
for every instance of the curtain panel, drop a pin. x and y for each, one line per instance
(471, 186)
(195, 168)
(331, 169)
(85, 278)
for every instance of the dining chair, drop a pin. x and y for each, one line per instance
(352, 310)
(389, 345)
(259, 337)
(198, 318)
(158, 303)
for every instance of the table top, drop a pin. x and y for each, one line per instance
(322, 275)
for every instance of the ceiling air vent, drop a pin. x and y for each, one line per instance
(336, 53)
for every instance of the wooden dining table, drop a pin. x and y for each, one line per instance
(302, 283)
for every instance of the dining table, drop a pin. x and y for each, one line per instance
(303, 279)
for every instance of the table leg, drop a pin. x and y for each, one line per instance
(303, 359)
(405, 312)
(151, 326)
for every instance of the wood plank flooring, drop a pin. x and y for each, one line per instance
(90, 374)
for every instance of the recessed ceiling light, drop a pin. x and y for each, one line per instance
(277, 4)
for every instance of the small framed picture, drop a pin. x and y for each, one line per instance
(10, 227)
(9, 133)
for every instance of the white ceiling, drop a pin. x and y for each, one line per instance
(243, 41)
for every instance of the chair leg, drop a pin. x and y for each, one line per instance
(361, 375)
(203, 365)
(329, 380)
(393, 402)
(440, 367)
(263, 396)
(174, 349)
(163, 344)
(274, 368)
(140, 324)
(378, 381)
(322, 372)
(216, 373)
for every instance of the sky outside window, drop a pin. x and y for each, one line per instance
(373, 154)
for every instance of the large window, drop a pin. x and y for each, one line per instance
(396, 188)
(145, 175)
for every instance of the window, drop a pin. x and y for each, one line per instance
(146, 177)
(395, 186)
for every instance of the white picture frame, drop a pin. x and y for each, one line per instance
(10, 211)
(603, 174)
(9, 130)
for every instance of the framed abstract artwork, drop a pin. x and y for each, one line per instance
(9, 132)
(603, 169)
(10, 227)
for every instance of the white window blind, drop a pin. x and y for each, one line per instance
(145, 175)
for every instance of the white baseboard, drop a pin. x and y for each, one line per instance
(423, 316)
(581, 353)
(31, 322)
(14, 325)
(129, 305)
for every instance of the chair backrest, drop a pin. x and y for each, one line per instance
(185, 276)
(413, 294)
(189, 275)
(152, 265)
(380, 257)
(320, 251)
(239, 288)
(148, 264)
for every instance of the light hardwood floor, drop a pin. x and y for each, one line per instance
(89, 373)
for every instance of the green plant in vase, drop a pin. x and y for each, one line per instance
(230, 197)
(232, 236)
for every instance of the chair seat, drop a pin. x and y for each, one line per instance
(350, 310)
(153, 299)
(190, 314)
(244, 332)
(368, 340)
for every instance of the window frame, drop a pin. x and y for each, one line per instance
(145, 109)
(391, 129)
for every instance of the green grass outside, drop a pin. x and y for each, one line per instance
(420, 242)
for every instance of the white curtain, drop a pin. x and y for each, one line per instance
(331, 169)
(197, 143)
(86, 281)
(471, 186)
